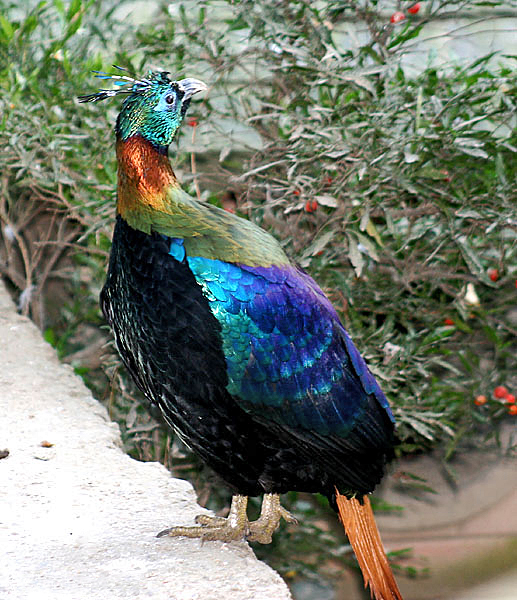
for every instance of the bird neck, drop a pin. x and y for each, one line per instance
(144, 176)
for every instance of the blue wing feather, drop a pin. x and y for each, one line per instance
(286, 351)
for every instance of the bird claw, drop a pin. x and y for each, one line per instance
(272, 512)
(236, 526)
(287, 516)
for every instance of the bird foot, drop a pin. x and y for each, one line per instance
(272, 512)
(236, 526)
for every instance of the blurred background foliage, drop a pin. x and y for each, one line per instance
(386, 170)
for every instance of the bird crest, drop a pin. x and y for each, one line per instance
(126, 84)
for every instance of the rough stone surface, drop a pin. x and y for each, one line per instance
(78, 517)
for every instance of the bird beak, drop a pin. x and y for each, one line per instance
(191, 86)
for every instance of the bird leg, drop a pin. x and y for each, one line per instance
(272, 511)
(236, 526)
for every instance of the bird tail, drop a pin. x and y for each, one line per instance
(361, 530)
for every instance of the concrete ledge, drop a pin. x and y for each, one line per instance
(78, 517)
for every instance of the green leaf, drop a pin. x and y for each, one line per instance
(326, 200)
(408, 33)
(29, 25)
(49, 335)
(473, 260)
(73, 8)
(6, 27)
(317, 246)
(355, 256)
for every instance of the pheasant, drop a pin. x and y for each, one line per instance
(238, 347)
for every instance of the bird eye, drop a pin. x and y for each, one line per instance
(169, 98)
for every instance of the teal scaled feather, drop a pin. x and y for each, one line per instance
(283, 343)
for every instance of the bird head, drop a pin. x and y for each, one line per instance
(154, 107)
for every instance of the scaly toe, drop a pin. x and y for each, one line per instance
(223, 533)
(209, 521)
(259, 533)
(287, 516)
(272, 512)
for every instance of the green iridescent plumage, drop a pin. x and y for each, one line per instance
(209, 231)
(154, 106)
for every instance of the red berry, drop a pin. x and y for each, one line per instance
(500, 392)
(493, 274)
(311, 206)
(480, 400)
(397, 17)
(296, 192)
(446, 175)
(192, 122)
(448, 322)
(329, 180)
(412, 10)
(510, 399)
(512, 409)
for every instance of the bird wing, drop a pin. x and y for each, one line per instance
(286, 351)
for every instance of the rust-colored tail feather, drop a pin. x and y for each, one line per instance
(362, 532)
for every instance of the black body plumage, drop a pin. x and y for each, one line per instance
(172, 345)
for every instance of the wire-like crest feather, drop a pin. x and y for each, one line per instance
(138, 86)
